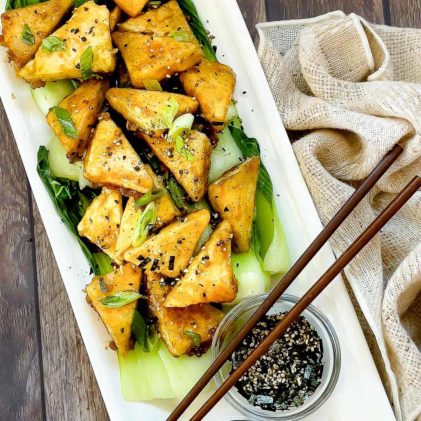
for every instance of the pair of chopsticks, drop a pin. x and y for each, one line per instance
(310, 295)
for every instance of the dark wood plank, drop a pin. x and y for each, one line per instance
(253, 12)
(20, 372)
(299, 9)
(71, 390)
(405, 13)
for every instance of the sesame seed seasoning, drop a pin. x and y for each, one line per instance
(288, 373)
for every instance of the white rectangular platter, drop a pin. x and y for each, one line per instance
(359, 394)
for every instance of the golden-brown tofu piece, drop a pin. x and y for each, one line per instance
(166, 20)
(166, 210)
(118, 320)
(178, 325)
(169, 251)
(101, 222)
(145, 110)
(83, 105)
(190, 171)
(88, 27)
(115, 17)
(127, 226)
(213, 84)
(233, 196)
(131, 7)
(149, 57)
(111, 159)
(42, 19)
(209, 277)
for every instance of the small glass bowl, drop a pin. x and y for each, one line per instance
(233, 322)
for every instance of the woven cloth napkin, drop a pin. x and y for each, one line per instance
(352, 90)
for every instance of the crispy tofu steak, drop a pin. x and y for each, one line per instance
(182, 329)
(85, 48)
(131, 7)
(170, 251)
(117, 320)
(83, 106)
(213, 84)
(233, 196)
(111, 160)
(25, 28)
(209, 277)
(149, 57)
(150, 112)
(101, 222)
(115, 17)
(165, 21)
(189, 162)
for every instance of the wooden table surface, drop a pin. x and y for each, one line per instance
(44, 369)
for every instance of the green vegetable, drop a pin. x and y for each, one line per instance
(66, 198)
(28, 37)
(103, 262)
(198, 29)
(66, 122)
(225, 155)
(77, 3)
(120, 299)
(182, 36)
(51, 94)
(52, 44)
(152, 85)
(177, 192)
(146, 335)
(86, 60)
(181, 126)
(170, 111)
(149, 197)
(17, 4)
(194, 337)
(145, 221)
(154, 3)
(181, 148)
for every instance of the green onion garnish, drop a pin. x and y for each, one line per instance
(120, 299)
(145, 221)
(195, 338)
(86, 60)
(149, 197)
(66, 122)
(52, 44)
(28, 37)
(152, 85)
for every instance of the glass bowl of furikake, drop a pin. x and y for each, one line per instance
(296, 375)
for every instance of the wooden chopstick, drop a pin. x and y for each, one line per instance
(312, 293)
(289, 277)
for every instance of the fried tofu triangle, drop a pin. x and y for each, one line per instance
(169, 251)
(147, 110)
(182, 329)
(111, 159)
(131, 7)
(118, 320)
(213, 84)
(151, 57)
(41, 19)
(209, 277)
(166, 20)
(100, 224)
(83, 105)
(191, 169)
(233, 197)
(87, 48)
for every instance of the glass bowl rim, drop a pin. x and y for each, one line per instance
(245, 408)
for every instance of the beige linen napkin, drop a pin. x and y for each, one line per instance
(355, 89)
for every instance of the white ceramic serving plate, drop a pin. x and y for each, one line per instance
(359, 394)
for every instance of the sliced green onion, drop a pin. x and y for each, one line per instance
(86, 60)
(169, 113)
(149, 197)
(28, 37)
(177, 192)
(154, 3)
(195, 338)
(120, 299)
(180, 146)
(66, 122)
(182, 36)
(152, 85)
(145, 221)
(52, 44)
(102, 260)
(181, 126)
